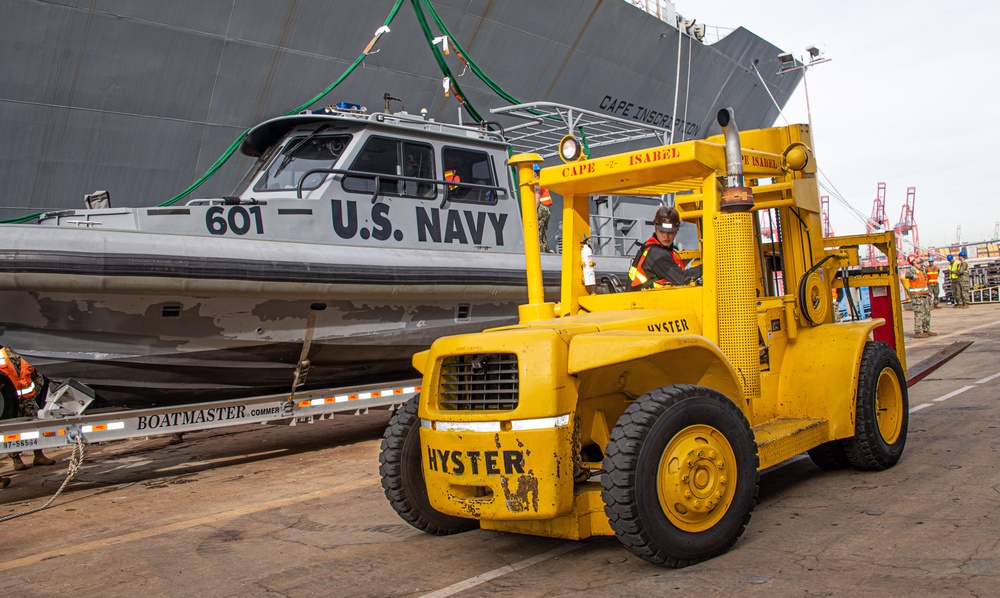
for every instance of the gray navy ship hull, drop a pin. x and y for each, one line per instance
(140, 98)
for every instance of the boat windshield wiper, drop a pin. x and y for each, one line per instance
(288, 155)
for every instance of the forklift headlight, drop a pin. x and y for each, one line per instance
(570, 149)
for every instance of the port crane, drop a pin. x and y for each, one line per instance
(907, 227)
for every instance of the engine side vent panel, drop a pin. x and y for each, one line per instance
(482, 382)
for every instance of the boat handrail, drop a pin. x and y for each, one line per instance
(377, 179)
(226, 201)
(430, 124)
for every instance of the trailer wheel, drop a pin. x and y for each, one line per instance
(403, 476)
(830, 455)
(883, 410)
(680, 476)
(8, 399)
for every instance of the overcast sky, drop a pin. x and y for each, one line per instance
(909, 98)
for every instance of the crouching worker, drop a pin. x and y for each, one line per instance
(27, 385)
(658, 264)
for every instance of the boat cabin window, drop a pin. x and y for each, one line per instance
(398, 163)
(299, 156)
(463, 167)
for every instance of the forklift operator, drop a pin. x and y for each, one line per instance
(657, 264)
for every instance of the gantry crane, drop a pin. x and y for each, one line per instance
(825, 211)
(878, 222)
(907, 227)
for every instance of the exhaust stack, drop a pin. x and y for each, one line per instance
(735, 197)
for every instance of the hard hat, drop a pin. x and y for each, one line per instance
(962, 254)
(930, 259)
(666, 220)
(536, 167)
(911, 258)
(951, 258)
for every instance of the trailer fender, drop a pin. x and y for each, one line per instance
(635, 362)
(819, 374)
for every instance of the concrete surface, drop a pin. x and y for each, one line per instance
(277, 511)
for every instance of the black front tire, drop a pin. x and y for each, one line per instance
(403, 476)
(681, 475)
(883, 410)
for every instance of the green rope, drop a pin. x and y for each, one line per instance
(236, 144)
(439, 57)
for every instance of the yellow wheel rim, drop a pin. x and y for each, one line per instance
(889, 406)
(696, 479)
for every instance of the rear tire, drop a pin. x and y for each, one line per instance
(680, 476)
(403, 476)
(883, 410)
(830, 455)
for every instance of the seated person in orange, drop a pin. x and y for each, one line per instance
(658, 264)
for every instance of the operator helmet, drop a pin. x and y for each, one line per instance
(667, 220)
(962, 254)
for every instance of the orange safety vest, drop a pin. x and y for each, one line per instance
(20, 372)
(544, 197)
(932, 274)
(452, 177)
(638, 276)
(918, 282)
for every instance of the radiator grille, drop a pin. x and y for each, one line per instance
(486, 382)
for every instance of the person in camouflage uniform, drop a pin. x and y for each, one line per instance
(964, 281)
(543, 224)
(27, 385)
(933, 284)
(542, 203)
(920, 298)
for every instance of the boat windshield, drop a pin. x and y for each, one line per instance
(299, 156)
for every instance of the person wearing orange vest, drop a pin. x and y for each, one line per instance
(920, 297)
(543, 201)
(933, 284)
(20, 386)
(657, 264)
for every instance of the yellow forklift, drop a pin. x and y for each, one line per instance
(648, 415)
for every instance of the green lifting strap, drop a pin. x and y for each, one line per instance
(468, 59)
(439, 57)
